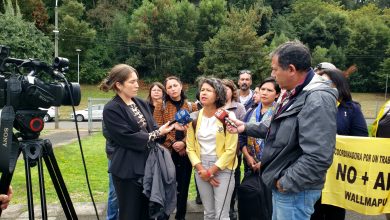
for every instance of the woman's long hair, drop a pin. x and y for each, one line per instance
(229, 83)
(340, 82)
(182, 95)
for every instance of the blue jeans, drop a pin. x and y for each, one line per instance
(294, 206)
(112, 203)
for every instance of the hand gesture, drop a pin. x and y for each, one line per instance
(5, 199)
(166, 128)
(178, 146)
(235, 130)
(180, 127)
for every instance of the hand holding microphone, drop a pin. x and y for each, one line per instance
(223, 116)
(233, 125)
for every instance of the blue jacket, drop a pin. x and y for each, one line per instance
(350, 120)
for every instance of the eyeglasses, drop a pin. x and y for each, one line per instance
(244, 71)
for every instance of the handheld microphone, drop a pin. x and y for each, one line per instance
(182, 117)
(223, 116)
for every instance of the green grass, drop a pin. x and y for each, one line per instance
(70, 163)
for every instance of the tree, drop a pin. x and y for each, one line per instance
(24, 39)
(319, 55)
(365, 48)
(74, 32)
(236, 46)
(161, 38)
(281, 25)
(337, 56)
(384, 71)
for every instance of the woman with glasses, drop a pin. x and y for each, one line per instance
(156, 94)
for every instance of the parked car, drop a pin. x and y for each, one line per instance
(50, 114)
(82, 115)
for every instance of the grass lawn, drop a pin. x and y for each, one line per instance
(70, 163)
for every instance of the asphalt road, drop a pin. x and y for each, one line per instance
(71, 125)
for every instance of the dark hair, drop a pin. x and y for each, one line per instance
(294, 53)
(244, 72)
(340, 82)
(159, 85)
(270, 80)
(182, 95)
(219, 90)
(229, 83)
(119, 73)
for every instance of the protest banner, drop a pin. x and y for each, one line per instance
(359, 177)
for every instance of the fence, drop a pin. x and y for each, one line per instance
(95, 112)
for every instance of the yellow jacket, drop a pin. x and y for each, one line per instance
(381, 113)
(225, 149)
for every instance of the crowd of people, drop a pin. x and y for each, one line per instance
(276, 131)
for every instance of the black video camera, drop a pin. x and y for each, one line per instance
(29, 91)
(25, 86)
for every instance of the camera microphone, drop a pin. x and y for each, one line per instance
(182, 117)
(223, 116)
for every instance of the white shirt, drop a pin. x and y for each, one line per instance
(207, 134)
(244, 99)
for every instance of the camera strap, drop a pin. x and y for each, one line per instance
(6, 132)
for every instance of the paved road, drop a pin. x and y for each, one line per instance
(72, 125)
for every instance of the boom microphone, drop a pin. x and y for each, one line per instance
(223, 116)
(182, 117)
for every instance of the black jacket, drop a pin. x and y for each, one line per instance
(127, 137)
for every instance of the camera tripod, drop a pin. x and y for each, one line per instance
(33, 151)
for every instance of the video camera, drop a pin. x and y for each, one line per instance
(25, 86)
(29, 91)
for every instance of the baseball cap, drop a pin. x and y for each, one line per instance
(324, 65)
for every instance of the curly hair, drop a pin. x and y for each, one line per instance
(219, 90)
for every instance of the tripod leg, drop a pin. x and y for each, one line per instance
(58, 181)
(42, 189)
(30, 200)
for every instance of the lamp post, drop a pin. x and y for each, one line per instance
(56, 32)
(78, 65)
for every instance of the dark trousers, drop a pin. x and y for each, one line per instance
(327, 212)
(133, 204)
(237, 178)
(183, 176)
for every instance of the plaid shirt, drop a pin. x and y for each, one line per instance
(164, 112)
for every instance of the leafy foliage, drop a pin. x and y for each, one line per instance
(236, 46)
(24, 39)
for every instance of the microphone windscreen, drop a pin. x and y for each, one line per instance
(182, 117)
(221, 114)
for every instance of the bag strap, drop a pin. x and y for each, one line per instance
(194, 116)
